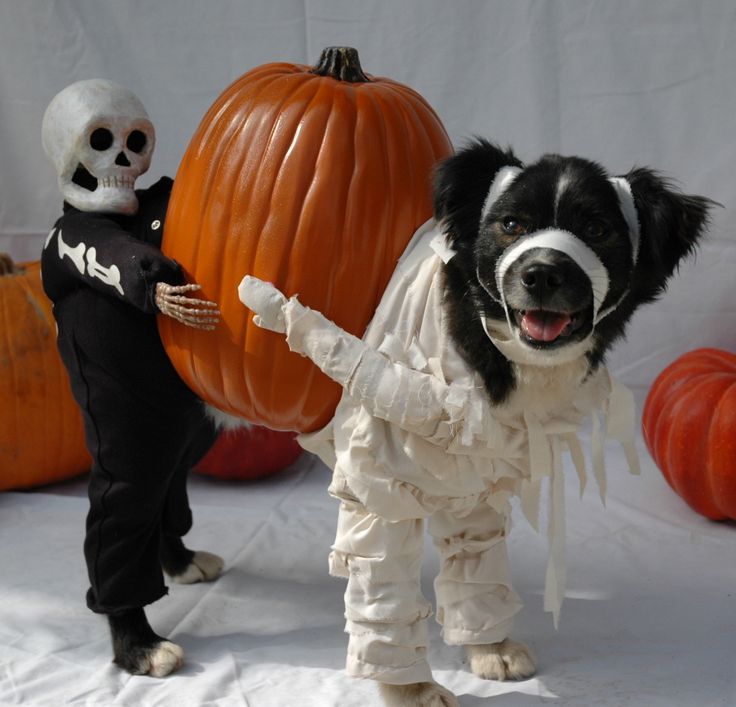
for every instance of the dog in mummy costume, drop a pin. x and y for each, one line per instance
(483, 358)
(107, 278)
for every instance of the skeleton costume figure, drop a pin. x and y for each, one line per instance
(414, 438)
(107, 278)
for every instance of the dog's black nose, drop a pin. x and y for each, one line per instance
(541, 279)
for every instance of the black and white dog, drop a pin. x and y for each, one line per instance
(540, 268)
(626, 246)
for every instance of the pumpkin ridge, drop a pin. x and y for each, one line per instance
(412, 115)
(224, 297)
(288, 265)
(402, 167)
(40, 447)
(710, 462)
(346, 181)
(233, 246)
(367, 123)
(268, 151)
(722, 477)
(254, 335)
(684, 459)
(5, 321)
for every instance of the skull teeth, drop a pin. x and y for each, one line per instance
(119, 182)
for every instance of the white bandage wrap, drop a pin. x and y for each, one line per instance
(500, 184)
(564, 242)
(628, 209)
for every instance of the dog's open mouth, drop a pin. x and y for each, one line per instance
(542, 327)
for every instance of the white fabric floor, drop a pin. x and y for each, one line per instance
(650, 618)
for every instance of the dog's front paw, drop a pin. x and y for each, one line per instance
(418, 694)
(157, 659)
(507, 660)
(164, 658)
(204, 567)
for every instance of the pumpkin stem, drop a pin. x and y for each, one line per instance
(7, 267)
(341, 63)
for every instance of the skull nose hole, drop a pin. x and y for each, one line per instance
(122, 161)
(541, 278)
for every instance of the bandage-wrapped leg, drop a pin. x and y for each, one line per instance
(476, 603)
(384, 607)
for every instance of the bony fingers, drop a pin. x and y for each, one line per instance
(196, 312)
(189, 317)
(194, 304)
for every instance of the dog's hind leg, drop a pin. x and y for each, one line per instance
(506, 660)
(185, 566)
(418, 694)
(137, 649)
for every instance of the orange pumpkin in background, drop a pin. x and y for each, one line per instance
(689, 424)
(41, 429)
(315, 179)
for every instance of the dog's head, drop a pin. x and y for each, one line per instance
(551, 259)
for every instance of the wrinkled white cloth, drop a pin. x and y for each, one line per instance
(415, 437)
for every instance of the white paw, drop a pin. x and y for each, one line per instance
(204, 567)
(507, 660)
(418, 694)
(164, 658)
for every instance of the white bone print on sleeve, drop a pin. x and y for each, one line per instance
(109, 275)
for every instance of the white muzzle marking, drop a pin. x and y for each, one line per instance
(564, 242)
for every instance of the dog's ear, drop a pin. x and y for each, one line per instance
(462, 183)
(671, 224)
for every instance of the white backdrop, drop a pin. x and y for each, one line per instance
(626, 83)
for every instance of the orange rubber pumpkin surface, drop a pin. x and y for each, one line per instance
(41, 429)
(314, 179)
(689, 424)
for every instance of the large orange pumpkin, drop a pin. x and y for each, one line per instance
(41, 429)
(689, 424)
(314, 179)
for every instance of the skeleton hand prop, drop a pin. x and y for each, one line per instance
(265, 301)
(197, 313)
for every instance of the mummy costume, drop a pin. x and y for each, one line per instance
(415, 438)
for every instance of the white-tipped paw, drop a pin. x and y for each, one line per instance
(507, 660)
(204, 567)
(162, 659)
(418, 694)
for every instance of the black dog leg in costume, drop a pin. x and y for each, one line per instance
(144, 427)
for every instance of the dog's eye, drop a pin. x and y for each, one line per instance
(596, 229)
(514, 227)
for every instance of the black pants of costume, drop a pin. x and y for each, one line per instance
(145, 430)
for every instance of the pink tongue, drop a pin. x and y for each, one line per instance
(544, 326)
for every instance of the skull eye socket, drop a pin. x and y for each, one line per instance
(136, 141)
(101, 139)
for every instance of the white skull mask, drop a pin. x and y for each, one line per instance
(100, 139)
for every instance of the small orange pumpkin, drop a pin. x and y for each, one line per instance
(314, 179)
(689, 424)
(41, 429)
